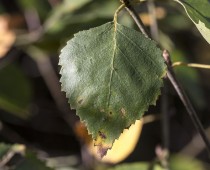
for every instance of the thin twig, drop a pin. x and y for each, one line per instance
(52, 82)
(50, 77)
(32, 18)
(29, 38)
(135, 17)
(195, 65)
(164, 100)
(196, 145)
(6, 158)
(165, 125)
(53, 3)
(185, 100)
(154, 25)
(162, 154)
(151, 118)
(170, 73)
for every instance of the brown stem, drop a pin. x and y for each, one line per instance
(49, 75)
(165, 125)
(154, 25)
(185, 100)
(164, 100)
(172, 77)
(135, 17)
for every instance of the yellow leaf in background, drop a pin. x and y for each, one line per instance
(122, 147)
(146, 18)
(7, 37)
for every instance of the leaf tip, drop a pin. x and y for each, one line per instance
(102, 145)
(102, 151)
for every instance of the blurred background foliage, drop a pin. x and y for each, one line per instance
(37, 128)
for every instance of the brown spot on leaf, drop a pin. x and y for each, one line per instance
(123, 111)
(80, 101)
(102, 151)
(102, 135)
(102, 110)
(102, 145)
(127, 127)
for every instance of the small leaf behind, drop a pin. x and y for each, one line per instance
(110, 77)
(199, 12)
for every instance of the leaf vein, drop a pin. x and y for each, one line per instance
(130, 62)
(132, 42)
(112, 69)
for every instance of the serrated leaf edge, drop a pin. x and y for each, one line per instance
(127, 128)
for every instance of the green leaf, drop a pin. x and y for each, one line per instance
(136, 166)
(111, 77)
(3, 150)
(31, 162)
(28, 160)
(77, 12)
(176, 162)
(182, 162)
(15, 91)
(199, 12)
(72, 16)
(41, 7)
(65, 8)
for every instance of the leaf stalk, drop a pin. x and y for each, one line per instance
(116, 15)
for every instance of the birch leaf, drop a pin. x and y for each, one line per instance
(110, 77)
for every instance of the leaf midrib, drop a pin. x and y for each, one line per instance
(112, 65)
